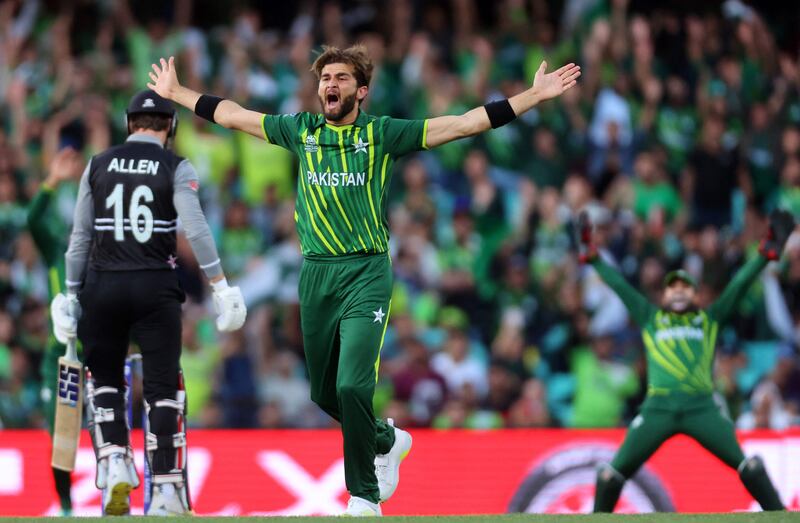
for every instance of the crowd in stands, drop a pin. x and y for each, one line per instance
(681, 135)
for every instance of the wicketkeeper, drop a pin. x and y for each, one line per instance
(680, 339)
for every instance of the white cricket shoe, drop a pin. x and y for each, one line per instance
(360, 507)
(387, 466)
(118, 481)
(166, 501)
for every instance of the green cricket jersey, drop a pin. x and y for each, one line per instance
(680, 347)
(50, 236)
(343, 176)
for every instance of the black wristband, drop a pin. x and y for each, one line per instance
(206, 105)
(500, 113)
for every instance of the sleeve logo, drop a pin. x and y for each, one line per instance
(311, 144)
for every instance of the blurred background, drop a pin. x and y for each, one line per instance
(682, 133)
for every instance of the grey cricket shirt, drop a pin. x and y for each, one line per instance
(187, 206)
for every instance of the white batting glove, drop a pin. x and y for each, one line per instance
(65, 311)
(229, 306)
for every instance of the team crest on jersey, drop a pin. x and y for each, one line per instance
(311, 145)
(361, 146)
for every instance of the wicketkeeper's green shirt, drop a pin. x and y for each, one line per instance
(680, 347)
(343, 176)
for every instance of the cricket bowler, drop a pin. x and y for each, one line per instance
(346, 159)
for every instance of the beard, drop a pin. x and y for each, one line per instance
(680, 306)
(345, 106)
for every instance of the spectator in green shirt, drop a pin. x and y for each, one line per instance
(653, 196)
(200, 357)
(602, 385)
(547, 167)
(241, 242)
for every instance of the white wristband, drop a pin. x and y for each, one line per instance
(220, 285)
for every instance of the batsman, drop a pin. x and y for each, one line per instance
(346, 159)
(680, 341)
(122, 287)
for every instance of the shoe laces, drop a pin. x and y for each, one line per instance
(380, 470)
(362, 504)
(117, 460)
(351, 503)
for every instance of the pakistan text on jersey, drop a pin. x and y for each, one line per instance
(336, 179)
(132, 166)
(680, 333)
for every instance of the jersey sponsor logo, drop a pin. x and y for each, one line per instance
(311, 144)
(336, 179)
(132, 166)
(692, 333)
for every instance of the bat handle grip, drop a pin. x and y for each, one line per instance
(72, 349)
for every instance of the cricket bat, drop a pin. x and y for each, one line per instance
(69, 407)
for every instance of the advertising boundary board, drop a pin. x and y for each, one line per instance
(285, 472)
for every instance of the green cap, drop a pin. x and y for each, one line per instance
(453, 318)
(681, 275)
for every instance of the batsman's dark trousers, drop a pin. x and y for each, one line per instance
(144, 307)
(344, 310)
(660, 418)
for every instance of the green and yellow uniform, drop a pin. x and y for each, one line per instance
(50, 235)
(680, 350)
(346, 278)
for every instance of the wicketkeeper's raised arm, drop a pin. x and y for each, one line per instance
(227, 113)
(781, 226)
(444, 129)
(637, 304)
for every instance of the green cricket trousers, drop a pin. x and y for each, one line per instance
(344, 311)
(698, 417)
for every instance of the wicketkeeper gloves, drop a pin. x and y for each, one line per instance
(65, 311)
(587, 250)
(781, 225)
(229, 306)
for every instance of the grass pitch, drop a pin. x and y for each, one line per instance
(743, 517)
